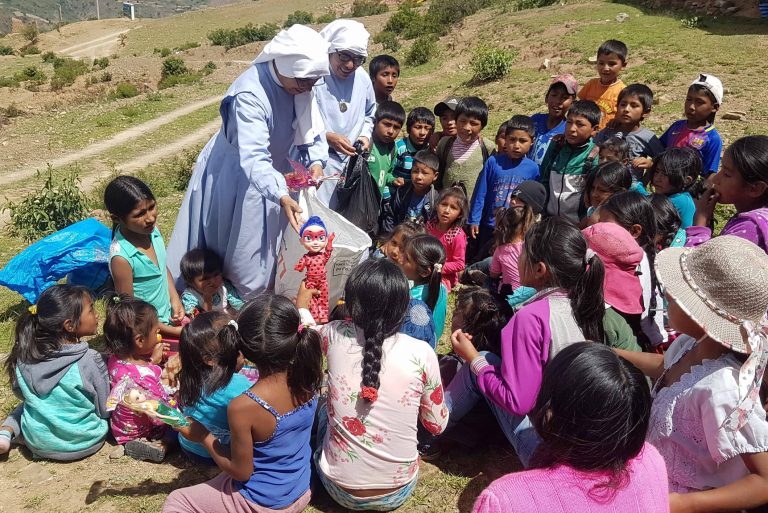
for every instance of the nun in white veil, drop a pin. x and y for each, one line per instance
(237, 190)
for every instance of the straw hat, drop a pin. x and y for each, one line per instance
(721, 285)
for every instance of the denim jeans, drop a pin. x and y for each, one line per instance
(463, 393)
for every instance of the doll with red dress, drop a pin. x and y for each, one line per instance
(319, 245)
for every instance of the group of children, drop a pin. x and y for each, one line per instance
(565, 244)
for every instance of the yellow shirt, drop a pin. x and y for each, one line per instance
(606, 97)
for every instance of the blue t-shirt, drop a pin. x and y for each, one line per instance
(211, 412)
(543, 136)
(441, 306)
(684, 205)
(500, 176)
(705, 140)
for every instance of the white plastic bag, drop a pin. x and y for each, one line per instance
(350, 247)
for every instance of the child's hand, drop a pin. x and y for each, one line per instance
(366, 143)
(679, 504)
(195, 432)
(157, 352)
(463, 346)
(642, 163)
(474, 230)
(304, 296)
(177, 311)
(705, 207)
(399, 181)
(317, 171)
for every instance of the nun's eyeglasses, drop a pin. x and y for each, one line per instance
(357, 60)
(305, 84)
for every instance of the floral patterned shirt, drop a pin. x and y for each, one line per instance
(368, 445)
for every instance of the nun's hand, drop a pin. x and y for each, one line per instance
(340, 144)
(292, 211)
(366, 143)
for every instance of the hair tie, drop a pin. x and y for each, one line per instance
(369, 393)
(116, 299)
(32, 309)
(438, 268)
(233, 323)
(588, 256)
(301, 327)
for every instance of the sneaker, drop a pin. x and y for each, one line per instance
(430, 451)
(146, 450)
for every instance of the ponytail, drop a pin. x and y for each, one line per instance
(269, 333)
(573, 267)
(376, 295)
(305, 373)
(40, 329)
(126, 318)
(428, 255)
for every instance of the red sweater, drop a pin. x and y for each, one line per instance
(455, 243)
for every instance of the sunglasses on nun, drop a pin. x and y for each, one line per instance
(357, 60)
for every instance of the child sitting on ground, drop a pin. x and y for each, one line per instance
(209, 380)
(674, 175)
(422, 263)
(591, 414)
(697, 130)
(567, 163)
(500, 176)
(604, 90)
(526, 203)
(384, 71)
(445, 111)
(267, 464)
(560, 95)
(743, 183)
(707, 420)
(207, 290)
(448, 218)
(635, 103)
(463, 156)
(420, 124)
(608, 179)
(131, 338)
(416, 200)
(137, 252)
(394, 246)
(63, 383)
(669, 230)
(389, 120)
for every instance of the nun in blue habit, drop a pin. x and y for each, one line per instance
(234, 199)
(346, 98)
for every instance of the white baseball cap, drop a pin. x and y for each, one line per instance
(712, 84)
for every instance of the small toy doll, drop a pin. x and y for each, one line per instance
(314, 237)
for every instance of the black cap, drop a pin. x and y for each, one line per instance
(533, 194)
(449, 103)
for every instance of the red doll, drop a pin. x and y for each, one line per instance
(314, 237)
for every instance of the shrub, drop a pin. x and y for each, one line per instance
(300, 17)
(361, 8)
(59, 204)
(124, 90)
(29, 50)
(8, 82)
(174, 66)
(691, 23)
(6, 50)
(175, 80)
(31, 74)
(490, 63)
(187, 46)
(388, 40)
(101, 63)
(163, 52)
(326, 18)
(31, 33)
(12, 111)
(242, 36)
(66, 71)
(402, 20)
(209, 68)
(422, 50)
(49, 57)
(106, 76)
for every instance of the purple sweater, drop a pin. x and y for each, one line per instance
(564, 490)
(752, 225)
(536, 333)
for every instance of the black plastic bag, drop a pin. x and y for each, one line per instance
(357, 195)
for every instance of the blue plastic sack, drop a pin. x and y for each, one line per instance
(80, 250)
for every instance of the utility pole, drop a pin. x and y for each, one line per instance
(61, 18)
(97, 10)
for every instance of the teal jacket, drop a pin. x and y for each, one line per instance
(564, 173)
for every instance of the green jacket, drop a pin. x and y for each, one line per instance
(564, 172)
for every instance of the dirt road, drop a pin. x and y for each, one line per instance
(103, 46)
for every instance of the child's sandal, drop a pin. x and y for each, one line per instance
(145, 450)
